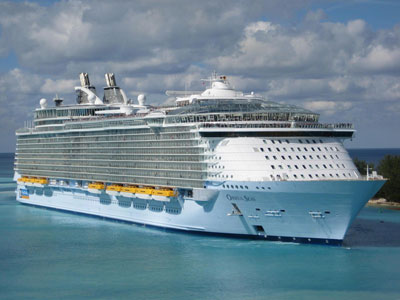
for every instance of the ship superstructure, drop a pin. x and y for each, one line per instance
(219, 161)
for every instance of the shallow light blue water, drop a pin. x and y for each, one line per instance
(46, 254)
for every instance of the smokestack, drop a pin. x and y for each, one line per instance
(81, 97)
(112, 92)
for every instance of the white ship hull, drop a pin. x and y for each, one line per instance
(315, 212)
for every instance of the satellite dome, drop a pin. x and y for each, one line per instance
(43, 103)
(141, 99)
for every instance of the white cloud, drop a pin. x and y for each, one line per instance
(334, 68)
(378, 59)
(328, 107)
(59, 86)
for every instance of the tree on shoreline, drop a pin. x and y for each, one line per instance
(362, 165)
(389, 168)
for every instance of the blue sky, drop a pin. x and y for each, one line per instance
(338, 58)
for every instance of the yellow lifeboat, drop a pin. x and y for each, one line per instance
(29, 181)
(96, 187)
(128, 191)
(41, 181)
(113, 189)
(163, 194)
(22, 179)
(144, 192)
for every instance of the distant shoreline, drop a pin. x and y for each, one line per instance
(384, 204)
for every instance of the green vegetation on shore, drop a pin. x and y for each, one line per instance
(389, 168)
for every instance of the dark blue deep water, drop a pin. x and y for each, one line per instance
(46, 254)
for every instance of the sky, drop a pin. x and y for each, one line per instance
(340, 59)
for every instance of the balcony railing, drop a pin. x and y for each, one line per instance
(277, 125)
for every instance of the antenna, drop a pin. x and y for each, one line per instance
(58, 101)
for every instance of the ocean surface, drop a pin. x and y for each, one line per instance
(47, 254)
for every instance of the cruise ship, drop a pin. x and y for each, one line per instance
(218, 162)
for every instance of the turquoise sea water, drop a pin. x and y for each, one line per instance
(47, 254)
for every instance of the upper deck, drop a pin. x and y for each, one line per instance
(215, 112)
